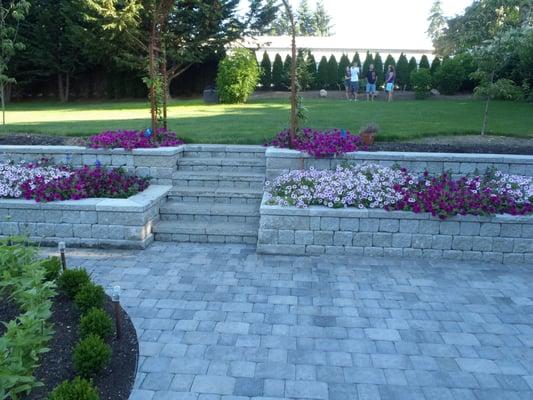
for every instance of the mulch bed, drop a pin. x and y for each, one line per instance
(8, 311)
(452, 148)
(114, 383)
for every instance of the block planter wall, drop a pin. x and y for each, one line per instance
(120, 223)
(159, 163)
(279, 161)
(321, 230)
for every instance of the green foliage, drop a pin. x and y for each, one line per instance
(96, 322)
(322, 20)
(378, 67)
(52, 265)
(412, 67)
(304, 79)
(450, 76)
(343, 64)
(26, 336)
(305, 20)
(311, 70)
(424, 62)
(277, 73)
(77, 389)
(356, 59)
(421, 82)
(435, 65)
(368, 60)
(237, 76)
(388, 61)
(309, 22)
(287, 63)
(89, 295)
(266, 72)
(469, 67)
(91, 355)
(71, 280)
(333, 71)
(322, 74)
(502, 89)
(402, 72)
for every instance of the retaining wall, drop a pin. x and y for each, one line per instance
(279, 161)
(321, 230)
(120, 223)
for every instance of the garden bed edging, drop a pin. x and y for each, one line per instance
(94, 222)
(374, 232)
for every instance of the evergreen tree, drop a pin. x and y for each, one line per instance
(356, 59)
(343, 63)
(424, 62)
(304, 75)
(322, 20)
(287, 72)
(402, 72)
(437, 22)
(311, 68)
(266, 72)
(412, 67)
(435, 65)
(368, 60)
(378, 66)
(388, 61)
(322, 73)
(305, 19)
(277, 73)
(282, 24)
(333, 72)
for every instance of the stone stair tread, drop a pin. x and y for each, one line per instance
(206, 228)
(219, 175)
(216, 192)
(229, 148)
(188, 208)
(221, 161)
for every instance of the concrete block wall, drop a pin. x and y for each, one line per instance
(279, 161)
(320, 230)
(120, 223)
(159, 164)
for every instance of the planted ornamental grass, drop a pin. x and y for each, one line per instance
(374, 186)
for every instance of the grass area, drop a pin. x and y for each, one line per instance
(255, 122)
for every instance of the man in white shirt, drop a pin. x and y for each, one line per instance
(354, 80)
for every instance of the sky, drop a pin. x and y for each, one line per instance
(385, 23)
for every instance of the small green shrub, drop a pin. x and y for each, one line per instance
(421, 82)
(71, 280)
(238, 75)
(450, 76)
(502, 89)
(52, 266)
(77, 389)
(89, 296)
(96, 322)
(91, 355)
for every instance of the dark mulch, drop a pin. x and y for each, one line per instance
(8, 311)
(23, 139)
(114, 383)
(479, 148)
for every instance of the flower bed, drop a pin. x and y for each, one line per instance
(134, 139)
(375, 186)
(318, 143)
(44, 182)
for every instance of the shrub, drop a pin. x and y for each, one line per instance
(402, 72)
(52, 266)
(96, 322)
(89, 296)
(333, 72)
(77, 389)
(132, 139)
(91, 355)
(421, 82)
(286, 78)
(450, 76)
(277, 73)
(322, 73)
(71, 280)
(266, 72)
(238, 74)
(502, 89)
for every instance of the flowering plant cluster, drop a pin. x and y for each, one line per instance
(43, 182)
(375, 186)
(319, 143)
(132, 139)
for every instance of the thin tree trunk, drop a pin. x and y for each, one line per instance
(164, 74)
(486, 113)
(293, 117)
(2, 95)
(60, 87)
(152, 74)
(67, 87)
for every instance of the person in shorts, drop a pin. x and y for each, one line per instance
(371, 79)
(354, 80)
(347, 85)
(389, 82)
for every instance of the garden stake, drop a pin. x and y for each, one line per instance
(61, 246)
(116, 305)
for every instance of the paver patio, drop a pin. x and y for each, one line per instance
(221, 322)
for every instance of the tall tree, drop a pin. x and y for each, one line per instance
(412, 67)
(322, 19)
(436, 21)
(378, 67)
(12, 12)
(308, 22)
(424, 62)
(366, 65)
(311, 70)
(344, 62)
(277, 73)
(287, 65)
(388, 61)
(435, 65)
(322, 73)
(333, 72)
(266, 72)
(305, 19)
(402, 72)
(356, 59)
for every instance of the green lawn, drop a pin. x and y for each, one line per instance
(259, 120)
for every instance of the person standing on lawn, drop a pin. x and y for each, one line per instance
(354, 80)
(371, 79)
(347, 83)
(389, 82)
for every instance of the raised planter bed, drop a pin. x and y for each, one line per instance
(121, 223)
(320, 230)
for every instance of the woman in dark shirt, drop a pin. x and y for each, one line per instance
(389, 82)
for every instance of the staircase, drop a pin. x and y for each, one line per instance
(215, 197)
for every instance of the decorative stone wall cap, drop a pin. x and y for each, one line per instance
(18, 203)
(41, 149)
(158, 151)
(276, 152)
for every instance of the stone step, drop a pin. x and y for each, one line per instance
(209, 212)
(225, 151)
(216, 195)
(206, 232)
(222, 164)
(213, 179)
